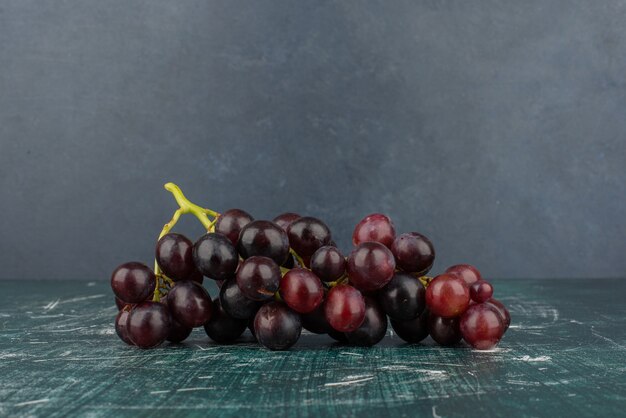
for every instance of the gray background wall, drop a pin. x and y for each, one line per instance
(498, 128)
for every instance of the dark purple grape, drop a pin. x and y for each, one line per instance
(174, 256)
(301, 290)
(414, 253)
(223, 328)
(276, 326)
(285, 219)
(258, 278)
(344, 308)
(504, 312)
(265, 239)
(413, 330)
(375, 227)
(481, 291)
(373, 328)
(231, 222)
(235, 303)
(189, 303)
(196, 276)
(340, 337)
(178, 332)
(121, 321)
(328, 263)
(445, 331)
(370, 266)
(403, 298)
(215, 256)
(307, 235)
(133, 282)
(315, 321)
(148, 324)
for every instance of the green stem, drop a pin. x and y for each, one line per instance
(297, 257)
(185, 206)
(188, 207)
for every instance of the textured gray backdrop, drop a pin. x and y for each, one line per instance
(498, 128)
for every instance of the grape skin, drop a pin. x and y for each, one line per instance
(403, 298)
(258, 278)
(370, 266)
(445, 331)
(276, 326)
(133, 282)
(235, 303)
(223, 328)
(148, 324)
(414, 253)
(482, 326)
(344, 308)
(372, 329)
(189, 303)
(231, 222)
(414, 330)
(328, 263)
(307, 235)
(301, 290)
(215, 256)
(447, 296)
(375, 227)
(263, 238)
(174, 254)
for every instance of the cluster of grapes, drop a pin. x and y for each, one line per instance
(277, 277)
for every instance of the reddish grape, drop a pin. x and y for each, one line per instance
(215, 256)
(223, 328)
(307, 235)
(231, 222)
(276, 326)
(133, 282)
(413, 330)
(285, 219)
(447, 296)
(148, 324)
(504, 312)
(372, 329)
(178, 332)
(481, 291)
(258, 278)
(174, 256)
(121, 328)
(404, 297)
(482, 326)
(445, 331)
(264, 238)
(465, 271)
(414, 253)
(375, 227)
(344, 308)
(328, 263)
(301, 290)
(189, 303)
(370, 266)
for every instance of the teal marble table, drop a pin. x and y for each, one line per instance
(564, 355)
